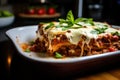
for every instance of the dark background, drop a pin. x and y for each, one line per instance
(110, 8)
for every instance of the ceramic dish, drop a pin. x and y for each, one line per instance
(26, 33)
(59, 67)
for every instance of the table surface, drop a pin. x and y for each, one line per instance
(14, 67)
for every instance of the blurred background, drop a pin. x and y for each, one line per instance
(99, 10)
(103, 10)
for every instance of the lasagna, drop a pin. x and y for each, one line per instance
(76, 37)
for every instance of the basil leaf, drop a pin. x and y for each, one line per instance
(58, 26)
(64, 28)
(106, 26)
(50, 25)
(80, 26)
(77, 20)
(89, 20)
(70, 17)
(83, 19)
(27, 50)
(102, 30)
(70, 24)
(62, 21)
(116, 33)
(32, 42)
(80, 20)
(94, 32)
(70, 21)
(58, 55)
(99, 30)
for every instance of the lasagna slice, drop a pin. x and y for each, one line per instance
(80, 37)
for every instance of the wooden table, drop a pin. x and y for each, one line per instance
(105, 75)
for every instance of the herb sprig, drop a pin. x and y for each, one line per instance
(50, 25)
(116, 33)
(70, 21)
(28, 50)
(99, 30)
(58, 55)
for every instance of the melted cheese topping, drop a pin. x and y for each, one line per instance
(75, 35)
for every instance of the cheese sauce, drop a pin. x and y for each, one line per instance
(75, 35)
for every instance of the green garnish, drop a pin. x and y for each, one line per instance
(86, 20)
(50, 25)
(94, 32)
(27, 50)
(64, 28)
(70, 18)
(31, 42)
(116, 33)
(70, 21)
(99, 30)
(58, 26)
(58, 55)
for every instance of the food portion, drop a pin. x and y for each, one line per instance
(75, 37)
